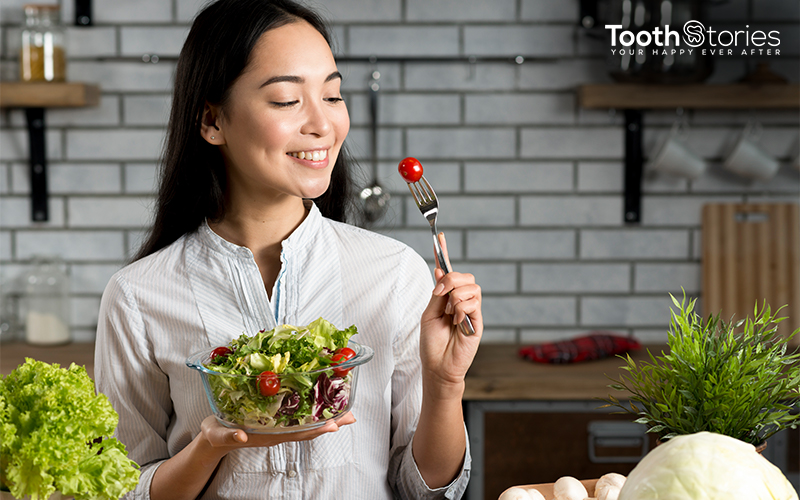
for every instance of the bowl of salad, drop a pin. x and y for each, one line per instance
(288, 379)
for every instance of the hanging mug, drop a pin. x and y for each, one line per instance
(673, 157)
(748, 159)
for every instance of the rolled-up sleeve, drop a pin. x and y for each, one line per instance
(411, 298)
(126, 372)
(411, 484)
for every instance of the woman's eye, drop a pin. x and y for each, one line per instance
(334, 100)
(286, 104)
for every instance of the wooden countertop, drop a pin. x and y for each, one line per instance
(80, 353)
(499, 373)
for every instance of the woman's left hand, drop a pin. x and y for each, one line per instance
(446, 352)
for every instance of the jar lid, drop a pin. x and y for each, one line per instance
(40, 7)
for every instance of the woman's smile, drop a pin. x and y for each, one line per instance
(314, 158)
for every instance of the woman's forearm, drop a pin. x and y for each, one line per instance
(185, 475)
(440, 444)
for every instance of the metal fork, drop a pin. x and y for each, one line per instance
(428, 204)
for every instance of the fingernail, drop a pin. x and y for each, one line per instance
(438, 289)
(238, 437)
(448, 308)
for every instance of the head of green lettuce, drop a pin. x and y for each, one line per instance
(55, 436)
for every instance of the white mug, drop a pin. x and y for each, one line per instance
(673, 157)
(748, 159)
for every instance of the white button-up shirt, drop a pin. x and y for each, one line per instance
(202, 291)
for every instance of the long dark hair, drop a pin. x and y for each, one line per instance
(216, 51)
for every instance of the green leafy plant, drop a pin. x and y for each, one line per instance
(737, 379)
(54, 436)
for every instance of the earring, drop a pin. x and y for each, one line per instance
(212, 137)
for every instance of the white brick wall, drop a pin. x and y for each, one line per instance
(530, 184)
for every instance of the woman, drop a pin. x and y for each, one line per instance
(238, 245)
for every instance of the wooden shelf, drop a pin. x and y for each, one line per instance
(694, 96)
(634, 99)
(48, 94)
(35, 97)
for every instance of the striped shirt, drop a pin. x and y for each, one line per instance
(203, 291)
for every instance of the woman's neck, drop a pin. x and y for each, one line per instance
(262, 231)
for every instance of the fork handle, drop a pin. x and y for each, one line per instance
(466, 324)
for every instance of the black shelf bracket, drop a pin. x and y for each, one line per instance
(634, 160)
(38, 164)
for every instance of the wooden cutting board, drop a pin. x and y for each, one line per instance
(751, 253)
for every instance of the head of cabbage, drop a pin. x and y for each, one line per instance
(706, 466)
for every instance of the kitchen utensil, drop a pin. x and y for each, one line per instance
(636, 57)
(374, 197)
(751, 254)
(748, 159)
(673, 157)
(428, 204)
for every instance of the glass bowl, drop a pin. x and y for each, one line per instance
(306, 400)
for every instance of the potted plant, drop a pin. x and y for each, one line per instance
(737, 379)
(55, 436)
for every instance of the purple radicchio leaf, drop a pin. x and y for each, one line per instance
(290, 404)
(330, 394)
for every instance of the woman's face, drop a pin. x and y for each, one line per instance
(284, 123)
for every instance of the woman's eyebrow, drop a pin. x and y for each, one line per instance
(298, 79)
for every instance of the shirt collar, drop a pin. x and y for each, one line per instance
(300, 238)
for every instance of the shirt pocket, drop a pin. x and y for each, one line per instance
(333, 449)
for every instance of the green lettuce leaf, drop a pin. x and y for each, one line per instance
(56, 435)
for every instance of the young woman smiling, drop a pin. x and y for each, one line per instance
(249, 234)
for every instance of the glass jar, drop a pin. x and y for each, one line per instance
(42, 57)
(45, 303)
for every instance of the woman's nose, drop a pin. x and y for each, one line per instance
(317, 121)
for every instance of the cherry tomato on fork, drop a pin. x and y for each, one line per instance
(411, 169)
(268, 383)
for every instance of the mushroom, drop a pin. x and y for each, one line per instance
(608, 486)
(569, 488)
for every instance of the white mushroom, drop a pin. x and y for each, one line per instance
(569, 488)
(516, 493)
(608, 486)
(536, 495)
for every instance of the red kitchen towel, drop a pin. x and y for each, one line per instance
(595, 345)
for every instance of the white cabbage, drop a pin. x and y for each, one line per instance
(706, 466)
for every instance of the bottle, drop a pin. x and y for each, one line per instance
(45, 302)
(42, 57)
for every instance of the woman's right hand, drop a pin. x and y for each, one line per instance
(225, 439)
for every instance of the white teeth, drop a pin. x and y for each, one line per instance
(311, 155)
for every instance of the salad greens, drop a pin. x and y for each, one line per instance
(300, 357)
(54, 436)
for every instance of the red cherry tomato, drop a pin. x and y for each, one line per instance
(220, 352)
(338, 359)
(268, 383)
(348, 353)
(411, 169)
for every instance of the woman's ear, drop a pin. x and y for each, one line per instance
(210, 125)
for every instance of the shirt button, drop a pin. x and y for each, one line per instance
(292, 473)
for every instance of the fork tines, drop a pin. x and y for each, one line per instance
(422, 194)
